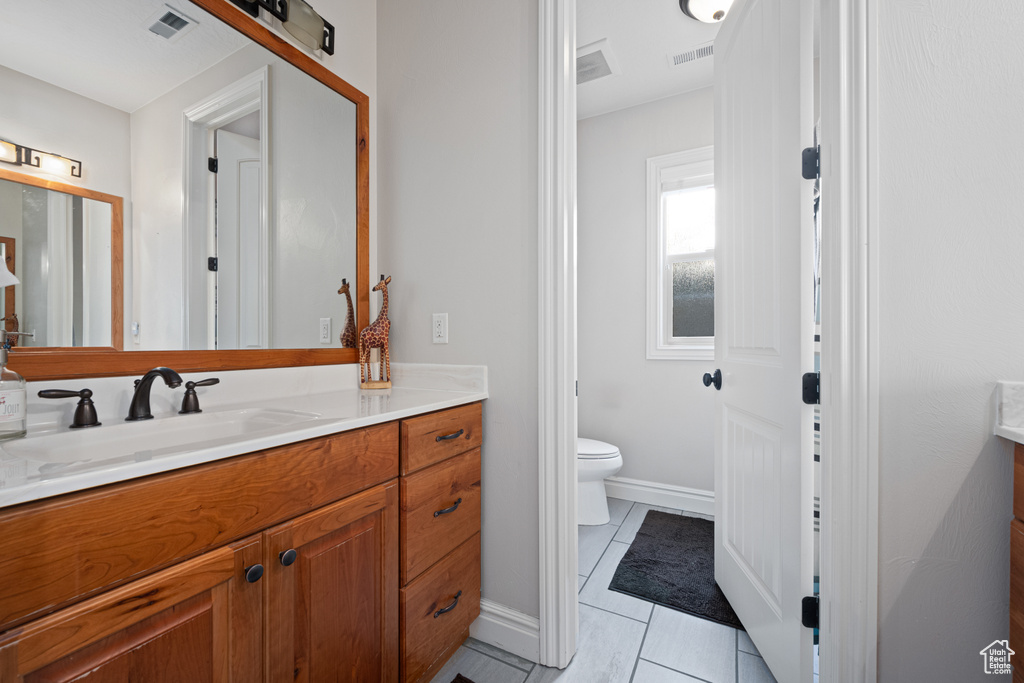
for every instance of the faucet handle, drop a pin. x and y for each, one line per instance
(85, 413)
(190, 404)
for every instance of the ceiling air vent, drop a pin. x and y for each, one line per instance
(595, 61)
(170, 23)
(699, 52)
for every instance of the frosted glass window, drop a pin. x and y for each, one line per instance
(693, 298)
(681, 255)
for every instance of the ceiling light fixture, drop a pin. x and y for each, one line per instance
(708, 11)
(20, 155)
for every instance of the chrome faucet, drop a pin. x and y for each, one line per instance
(139, 409)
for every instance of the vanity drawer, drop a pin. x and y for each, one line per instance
(437, 436)
(430, 528)
(433, 622)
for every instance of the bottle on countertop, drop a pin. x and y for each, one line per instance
(13, 399)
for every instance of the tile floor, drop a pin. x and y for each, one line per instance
(622, 639)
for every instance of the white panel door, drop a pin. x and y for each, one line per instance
(764, 327)
(240, 310)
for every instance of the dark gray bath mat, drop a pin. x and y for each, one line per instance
(671, 562)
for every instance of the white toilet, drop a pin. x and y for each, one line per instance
(595, 461)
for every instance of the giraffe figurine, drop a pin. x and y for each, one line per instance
(348, 335)
(375, 336)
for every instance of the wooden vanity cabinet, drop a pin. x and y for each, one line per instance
(1017, 565)
(332, 603)
(199, 620)
(440, 536)
(309, 562)
(159, 579)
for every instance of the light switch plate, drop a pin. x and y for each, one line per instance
(325, 330)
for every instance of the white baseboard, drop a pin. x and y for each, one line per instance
(508, 629)
(665, 495)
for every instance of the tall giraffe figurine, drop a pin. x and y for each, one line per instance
(375, 336)
(348, 335)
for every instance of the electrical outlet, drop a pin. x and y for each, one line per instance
(325, 330)
(440, 330)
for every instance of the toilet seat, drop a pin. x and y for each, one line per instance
(592, 449)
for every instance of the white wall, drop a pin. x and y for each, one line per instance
(657, 412)
(951, 323)
(458, 216)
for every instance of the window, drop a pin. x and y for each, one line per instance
(681, 255)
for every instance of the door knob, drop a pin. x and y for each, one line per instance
(715, 379)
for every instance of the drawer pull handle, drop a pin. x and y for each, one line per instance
(254, 573)
(450, 607)
(288, 557)
(453, 508)
(449, 437)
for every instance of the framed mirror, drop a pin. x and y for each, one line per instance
(261, 119)
(69, 263)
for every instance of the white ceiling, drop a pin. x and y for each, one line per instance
(103, 49)
(641, 34)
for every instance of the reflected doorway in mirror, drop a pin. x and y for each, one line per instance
(375, 336)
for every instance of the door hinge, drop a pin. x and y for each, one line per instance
(809, 611)
(211, 263)
(211, 164)
(812, 388)
(812, 162)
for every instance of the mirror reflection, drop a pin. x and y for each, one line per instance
(58, 245)
(238, 172)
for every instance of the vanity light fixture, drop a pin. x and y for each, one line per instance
(707, 11)
(20, 155)
(308, 27)
(278, 8)
(298, 18)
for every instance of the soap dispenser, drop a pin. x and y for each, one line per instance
(13, 408)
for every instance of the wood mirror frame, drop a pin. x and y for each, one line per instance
(68, 363)
(116, 261)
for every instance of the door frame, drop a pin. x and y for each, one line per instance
(849, 347)
(556, 322)
(849, 342)
(199, 122)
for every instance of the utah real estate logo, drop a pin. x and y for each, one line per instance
(997, 657)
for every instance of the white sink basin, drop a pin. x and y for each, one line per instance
(128, 442)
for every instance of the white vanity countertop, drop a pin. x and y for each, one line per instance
(248, 411)
(1009, 411)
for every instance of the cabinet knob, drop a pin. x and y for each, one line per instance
(254, 573)
(288, 557)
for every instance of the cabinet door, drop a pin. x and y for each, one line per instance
(197, 621)
(332, 592)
